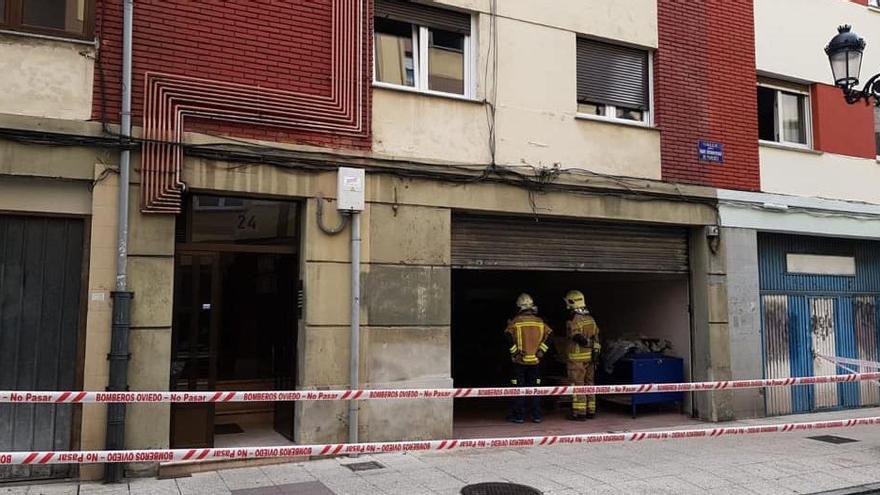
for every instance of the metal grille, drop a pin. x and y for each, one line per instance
(525, 244)
(612, 74)
(364, 466)
(424, 15)
(499, 489)
(833, 439)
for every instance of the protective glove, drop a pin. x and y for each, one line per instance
(580, 339)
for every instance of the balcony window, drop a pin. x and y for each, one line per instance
(62, 18)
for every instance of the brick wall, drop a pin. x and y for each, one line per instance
(268, 43)
(704, 89)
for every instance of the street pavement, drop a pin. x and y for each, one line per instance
(779, 463)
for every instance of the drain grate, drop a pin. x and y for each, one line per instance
(364, 466)
(499, 489)
(833, 439)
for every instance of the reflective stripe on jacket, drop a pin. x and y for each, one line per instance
(583, 324)
(529, 335)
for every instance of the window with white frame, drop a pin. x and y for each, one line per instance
(784, 114)
(423, 48)
(613, 81)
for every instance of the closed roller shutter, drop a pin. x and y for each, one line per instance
(524, 244)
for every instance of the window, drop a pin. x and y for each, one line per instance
(877, 129)
(66, 18)
(784, 115)
(613, 81)
(422, 47)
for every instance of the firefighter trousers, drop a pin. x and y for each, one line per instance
(581, 373)
(526, 376)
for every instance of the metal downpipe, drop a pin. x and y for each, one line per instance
(119, 355)
(355, 360)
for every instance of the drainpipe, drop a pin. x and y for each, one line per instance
(355, 361)
(119, 355)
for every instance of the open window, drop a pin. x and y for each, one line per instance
(784, 114)
(423, 48)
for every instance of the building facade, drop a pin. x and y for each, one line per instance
(615, 147)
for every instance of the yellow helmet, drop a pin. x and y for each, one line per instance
(525, 302)
(574, 299)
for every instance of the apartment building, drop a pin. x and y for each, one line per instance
(615, 147)
(806, 245)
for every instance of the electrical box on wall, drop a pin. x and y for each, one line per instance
(350, 189)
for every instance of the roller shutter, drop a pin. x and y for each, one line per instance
(424, 15)
(505, 243)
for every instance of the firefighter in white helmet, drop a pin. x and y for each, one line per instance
(583, 349)
(527, 336)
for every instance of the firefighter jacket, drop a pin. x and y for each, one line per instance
(583, 337)
(527, 334)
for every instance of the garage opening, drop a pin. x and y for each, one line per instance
(635, 280)
(235, 319)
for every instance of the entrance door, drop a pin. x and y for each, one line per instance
(194, 353)
(41, 267)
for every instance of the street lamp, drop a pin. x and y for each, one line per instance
(845, 54)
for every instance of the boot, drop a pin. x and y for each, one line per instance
(575, 417)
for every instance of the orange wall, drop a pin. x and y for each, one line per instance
(839, 127)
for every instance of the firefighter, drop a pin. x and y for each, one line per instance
(583, 350)
(527, 336)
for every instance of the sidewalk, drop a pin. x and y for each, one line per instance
(783, 463)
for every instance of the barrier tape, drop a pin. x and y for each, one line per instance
(31, 397)
(214, 454)
(841, 365)
(856, 362)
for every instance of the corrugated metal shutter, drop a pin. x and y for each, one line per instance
(524, 244)
(40, 284)
(612, 74)
(424, 15)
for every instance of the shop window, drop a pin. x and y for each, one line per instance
(613, 82)
(422, 48)
(65, 18)
(784, 115)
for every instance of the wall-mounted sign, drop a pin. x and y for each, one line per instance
(710, 152)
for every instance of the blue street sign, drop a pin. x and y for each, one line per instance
(711, 152)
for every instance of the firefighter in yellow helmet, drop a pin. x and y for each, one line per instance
(527, 336)
(583, 349)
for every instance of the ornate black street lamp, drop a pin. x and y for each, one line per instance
(845, 54)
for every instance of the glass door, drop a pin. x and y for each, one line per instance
(194, 346)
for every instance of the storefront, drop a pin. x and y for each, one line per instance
(635, 278)
(819, 300)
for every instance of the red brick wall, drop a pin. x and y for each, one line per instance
(704, 89)
(839, 127)
(269, 43)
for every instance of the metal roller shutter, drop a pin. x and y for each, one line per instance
(524, 244)
(424, 15)
(612, 74)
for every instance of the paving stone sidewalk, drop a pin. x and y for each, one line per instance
(784, 463)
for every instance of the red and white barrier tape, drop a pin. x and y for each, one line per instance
(874, 365)
(201, 455)
(31, 397)
(844, 366)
